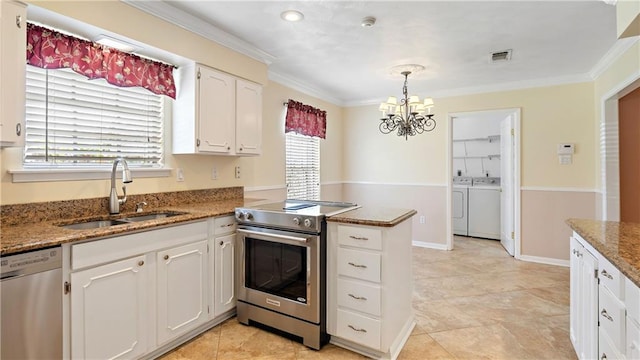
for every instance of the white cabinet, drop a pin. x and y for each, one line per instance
(182, 289)
(13, 39)
(109, 310)
(216, 113)
(222, 266)
(583, 300)
(368, 309)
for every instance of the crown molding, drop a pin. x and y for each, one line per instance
(191, 23)
(304, 87)
(618, 49)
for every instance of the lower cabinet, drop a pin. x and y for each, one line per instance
(583, 327)
(182, 289)
(134, 295)
(109, 310)
(369, 288)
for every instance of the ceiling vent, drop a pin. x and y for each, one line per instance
(500, 56)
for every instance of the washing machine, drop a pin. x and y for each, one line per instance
(459, 198)
(484, 208)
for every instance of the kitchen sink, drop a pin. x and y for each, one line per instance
(93, 224)
(155, 216)
(86, 225)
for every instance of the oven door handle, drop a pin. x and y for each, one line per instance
(266, 236)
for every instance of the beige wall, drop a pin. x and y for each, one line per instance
(395, 167)
(264, 171)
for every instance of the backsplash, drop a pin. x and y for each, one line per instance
(48, 211)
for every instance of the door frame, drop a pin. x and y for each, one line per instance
(516, 113)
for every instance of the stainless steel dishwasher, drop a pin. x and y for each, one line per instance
(31, 318)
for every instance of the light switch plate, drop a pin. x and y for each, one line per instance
(237, 172)
(179, 175)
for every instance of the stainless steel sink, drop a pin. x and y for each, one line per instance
(93, 224)
(155, 216)
(86, 225)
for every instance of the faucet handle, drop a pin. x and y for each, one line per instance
(124, 197)
(140, 206)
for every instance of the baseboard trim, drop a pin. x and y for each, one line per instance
(429, 245)
(544, 260)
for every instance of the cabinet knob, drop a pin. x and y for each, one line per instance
(166, 257)
(603, 357)
(228, 148)
(221, 243)
(141, 262)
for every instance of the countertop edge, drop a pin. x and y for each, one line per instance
(357, 217)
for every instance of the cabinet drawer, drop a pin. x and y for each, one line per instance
(632, 300)
(224, 225)
(359, 329)
(611, 314)
(606, 349)
(611, 277)
(633, 340)
(359, 264)
(359, 296)
(363, 237)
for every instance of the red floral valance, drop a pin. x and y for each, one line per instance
(49, 49)
(306, 120)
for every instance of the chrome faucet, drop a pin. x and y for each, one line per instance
(114, 201)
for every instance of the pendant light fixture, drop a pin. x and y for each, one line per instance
(409, 117)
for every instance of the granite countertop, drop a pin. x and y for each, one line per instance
(31, 236)
(373, 216)
(618, 242)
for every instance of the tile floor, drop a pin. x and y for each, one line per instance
(474, 302)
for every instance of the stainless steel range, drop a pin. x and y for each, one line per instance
(281, 266)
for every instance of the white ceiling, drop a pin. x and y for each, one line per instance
(331, 56)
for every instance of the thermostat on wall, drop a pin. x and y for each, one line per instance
(565, 153)
(566, 149)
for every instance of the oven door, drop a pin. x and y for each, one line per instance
(279, 271)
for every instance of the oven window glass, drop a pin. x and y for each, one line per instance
(276, 268)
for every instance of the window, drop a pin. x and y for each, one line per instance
(302, 167)
(73, 121)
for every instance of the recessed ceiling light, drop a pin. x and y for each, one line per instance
(292, 15)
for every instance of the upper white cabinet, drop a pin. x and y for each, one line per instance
(13, 40)
(216, 113)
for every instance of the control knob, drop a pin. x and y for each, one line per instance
(307, 223)
(248, 216)
(296, 221)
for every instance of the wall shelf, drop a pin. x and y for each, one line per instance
(490, 138)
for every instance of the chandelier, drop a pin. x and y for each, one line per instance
(410, 117)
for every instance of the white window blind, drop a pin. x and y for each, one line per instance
(73, 121)
(302, 167)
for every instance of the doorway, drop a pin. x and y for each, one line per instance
(485, 146)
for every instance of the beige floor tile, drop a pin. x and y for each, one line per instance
(420, 347)
(239, 341)
(328, 352)
(443, 315)
(202, 347)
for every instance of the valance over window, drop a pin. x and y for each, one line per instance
(306, 120)
(50, 49)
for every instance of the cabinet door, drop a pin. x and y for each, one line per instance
(223, 290)
(181, 298)
(589, 311)
(109, 310)
(13, 39)
(248, 118)
(575, 294)
(216, 112)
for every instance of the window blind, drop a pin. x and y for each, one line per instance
(74, 121)
(302, 167)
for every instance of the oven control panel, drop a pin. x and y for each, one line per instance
(308, 223)
(276, 220)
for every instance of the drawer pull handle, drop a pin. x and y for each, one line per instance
(606, 315)
(356, 329)
(358, 237)
(606, 274)
(226, 225)
(358, 266)
(603, 357)
(358, 297)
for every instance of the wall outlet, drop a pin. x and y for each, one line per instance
(179, 175)
(214, 173)
(422, 219)
(237, 172)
